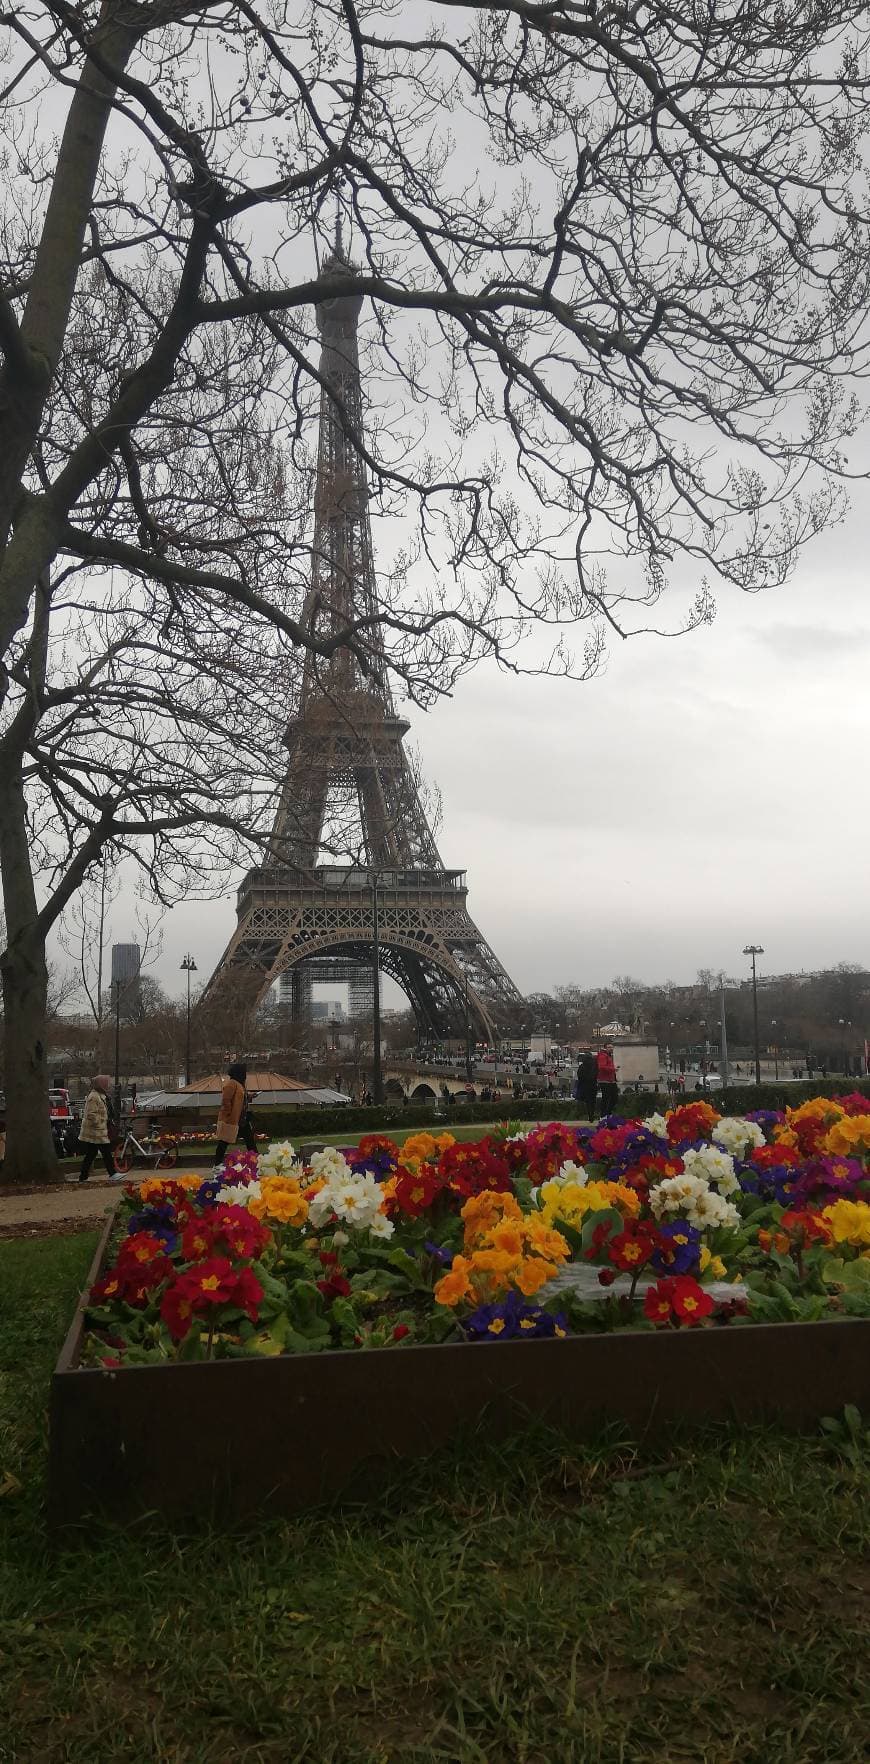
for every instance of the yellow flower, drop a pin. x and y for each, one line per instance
(571, 1201)
(849, 1222)
(710, 1264)
(280, 1198)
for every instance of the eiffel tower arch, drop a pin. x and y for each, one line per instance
(299, 914)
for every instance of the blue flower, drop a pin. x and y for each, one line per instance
(512, 1318)
(679, 1249)
(208, 1192)
(439, 1253)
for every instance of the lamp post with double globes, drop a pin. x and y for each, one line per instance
(753, 950)
(188, 967)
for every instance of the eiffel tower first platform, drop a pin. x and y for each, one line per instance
(301, 919)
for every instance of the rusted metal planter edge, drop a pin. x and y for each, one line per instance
(240, 1437)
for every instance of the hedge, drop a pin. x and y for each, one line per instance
(299, 1124)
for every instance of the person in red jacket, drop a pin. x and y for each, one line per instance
(607, 1080)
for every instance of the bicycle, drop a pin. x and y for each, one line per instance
(163, 1157)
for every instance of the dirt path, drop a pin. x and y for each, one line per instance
(63, 1207)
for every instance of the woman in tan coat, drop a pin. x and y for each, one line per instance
(94, 1130)
(234, 1117)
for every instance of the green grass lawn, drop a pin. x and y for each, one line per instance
(542, 1604)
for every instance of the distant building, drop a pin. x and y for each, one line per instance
(126, 966)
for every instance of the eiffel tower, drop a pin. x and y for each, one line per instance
(301, 919)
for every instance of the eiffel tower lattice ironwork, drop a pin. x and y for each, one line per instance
(309, 920)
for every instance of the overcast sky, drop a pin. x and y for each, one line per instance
(701, 794)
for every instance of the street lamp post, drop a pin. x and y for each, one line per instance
(723, 1033)
(753, 950)
(117, 986)
(377, 1070)
(845, 1024)
(468, 1060)
(775, 1048)
(188, 967)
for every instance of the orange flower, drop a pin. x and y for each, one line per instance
(453, 1286)
(533, 1274)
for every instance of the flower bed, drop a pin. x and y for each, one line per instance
(656, 1243)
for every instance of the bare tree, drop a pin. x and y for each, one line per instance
(617, 274)
(85, 934)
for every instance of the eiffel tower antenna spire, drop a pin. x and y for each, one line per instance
(303, 919)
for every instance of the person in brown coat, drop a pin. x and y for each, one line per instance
(234, 1117)
(94, 1130)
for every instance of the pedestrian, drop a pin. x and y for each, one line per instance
(94, 1132)
(606, 1074)
(234, 1117)
(587, 1082)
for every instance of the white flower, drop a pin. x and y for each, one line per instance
(656, 1124)
(354, 1199)
(340, 1238)
(280, 1160)
(571, 1172)
(329, 1165)
(737, 1136)
(239, 1194)
(713, 1166)
(380, 1227)
(692, 1199)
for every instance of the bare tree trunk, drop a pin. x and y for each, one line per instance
(30, 1153)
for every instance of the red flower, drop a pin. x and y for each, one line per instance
(597, 1242)
(400, 1331)
(212, 1281)
(691, 1303)
(606, 1276)
(238, 1232)
(140, 1248)
(196, 1240)
(691, 1121)
(248, 1293)
(767, 1157)
(658, 1304)
(805, 1226)
(208, 1284)
(178, 1306)
(414, 1192)
(631, 1248)
(337, 1286)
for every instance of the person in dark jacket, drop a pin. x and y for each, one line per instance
(607, 1080)
(587, 1083)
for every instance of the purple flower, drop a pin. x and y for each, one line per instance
(679, 1248)
(511, 1318)
(380, 1164)
(439, 1253)
(208, 1192)
(766, 1117)
(828, 1176)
